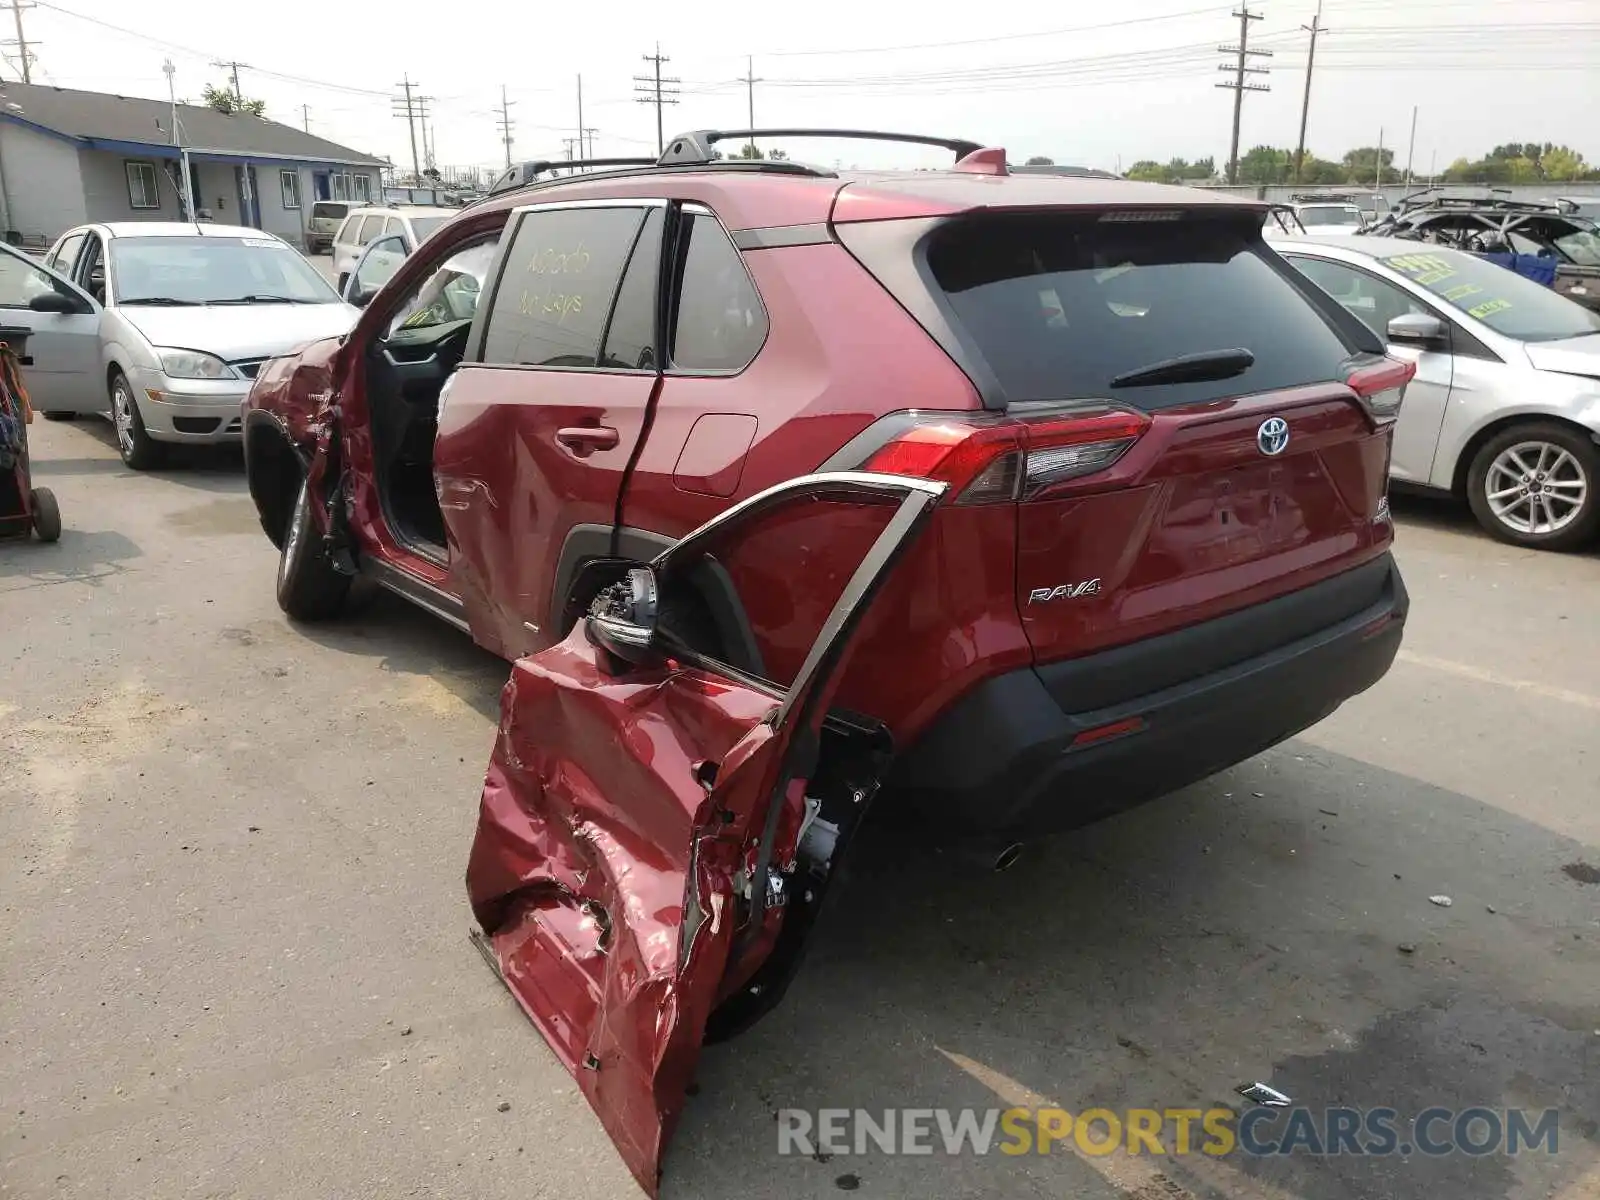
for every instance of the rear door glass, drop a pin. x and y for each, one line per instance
(1061, 304)
(719, 321)
(556, 286)
(631, 337)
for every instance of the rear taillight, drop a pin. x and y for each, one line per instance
(1381, 384)
(989, 461)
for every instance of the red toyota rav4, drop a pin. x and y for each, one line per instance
(1110, 473)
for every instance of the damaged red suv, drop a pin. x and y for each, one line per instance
(1025, 497)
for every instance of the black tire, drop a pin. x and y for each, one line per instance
(139, 450)
(344, 278)
(309, 589)
(46, 514)
(1564, 497)
(57, 414)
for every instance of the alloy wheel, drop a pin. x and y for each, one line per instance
(122, 416)
(1536, 487)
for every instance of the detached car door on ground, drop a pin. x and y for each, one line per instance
(658, 827)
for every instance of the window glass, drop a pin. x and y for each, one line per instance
(1328, 214)
(289, 182)
(328, 210)
(1372, 301)
(213, 270)
(66, 255)
(379, 262)
(421, 227)
(450, 293)
(631, 339)
(142, 190)
(371, 227)
(553, 295)
(21, 281)
(1506, 302)
(363, 188)
(1063, 305)
(720, 323)
(394, 226)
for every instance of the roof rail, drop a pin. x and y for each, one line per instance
(697, 145)
(522, 174)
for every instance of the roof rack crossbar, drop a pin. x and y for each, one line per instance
(697, 145)
(522, 174)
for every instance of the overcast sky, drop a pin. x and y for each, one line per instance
(1098, 85)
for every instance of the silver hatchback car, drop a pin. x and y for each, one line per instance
(1505, 406)
(162, 326)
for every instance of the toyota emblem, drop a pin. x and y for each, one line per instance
(1273, 436)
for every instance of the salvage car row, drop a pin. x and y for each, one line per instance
(994, 500)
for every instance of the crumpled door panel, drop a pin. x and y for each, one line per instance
(623, 820)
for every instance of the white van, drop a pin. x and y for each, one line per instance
(411, 224)
(326, 217)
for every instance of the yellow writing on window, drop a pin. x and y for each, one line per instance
(553, 261)
(1488, 307)
(550, 305)
(1462, 291)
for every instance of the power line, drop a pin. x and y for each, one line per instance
(658, 91)
(234, 67)
(1305, 102)
(1238, 85)
(504, 122)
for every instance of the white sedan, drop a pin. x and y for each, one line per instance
(1505, 407)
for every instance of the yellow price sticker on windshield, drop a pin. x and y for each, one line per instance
(1461, 292)
(1487, 307)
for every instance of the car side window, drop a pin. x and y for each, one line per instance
(557, 284)
(1372, 301)
(718, 322)
(21, 281)
(91, 271)
(348, 229)
(65, 257)
(631, 336)
(448, 294)
(395, 226)
(371, 228)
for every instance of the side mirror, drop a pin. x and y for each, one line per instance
(52, 302)
(622, 619)
(1416, 329)
(361, 296)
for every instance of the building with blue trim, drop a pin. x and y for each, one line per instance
(68, 157)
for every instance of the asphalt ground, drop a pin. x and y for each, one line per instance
(233, 933)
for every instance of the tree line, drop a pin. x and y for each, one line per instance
(1515, 162)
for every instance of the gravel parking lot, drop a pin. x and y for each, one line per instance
(234, 962)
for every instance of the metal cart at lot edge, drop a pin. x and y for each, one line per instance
(24, 509)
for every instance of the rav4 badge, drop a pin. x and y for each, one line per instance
(1066, 591)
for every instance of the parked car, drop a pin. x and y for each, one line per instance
(1329, 217)
(1495, 223)
(363, 225)
(1504, 410)
(1156, 542)
(326, 218)
(168, 324)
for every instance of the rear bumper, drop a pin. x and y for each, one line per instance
(1009, 758)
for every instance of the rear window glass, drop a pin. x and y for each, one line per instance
(1060, 305)
(329, 210)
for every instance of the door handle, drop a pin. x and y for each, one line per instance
(586, 439)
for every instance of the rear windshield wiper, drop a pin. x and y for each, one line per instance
(1188, 368)
(263, 299)
(168, 301)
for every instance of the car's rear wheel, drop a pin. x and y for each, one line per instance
(1538, 485)
(309, 589)
(138, 449)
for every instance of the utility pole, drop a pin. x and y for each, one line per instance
(234, 67)
(1239, 87)
(410, 114)
(581, 117)
(750, 82)
(24, 55)
(186, 188)
(505, 122)
(305, 117)
(1377, 177)
(1305, 104)
(1411, 151)
(657, 91)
